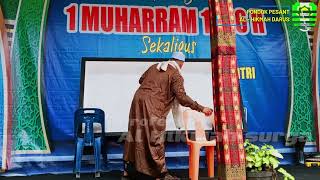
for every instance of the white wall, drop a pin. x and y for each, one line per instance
(110, 85)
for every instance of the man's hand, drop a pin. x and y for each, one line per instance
(207, 111)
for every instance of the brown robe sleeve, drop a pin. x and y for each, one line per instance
(143, 76)
(177, 85)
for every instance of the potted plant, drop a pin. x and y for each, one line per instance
(262, 162)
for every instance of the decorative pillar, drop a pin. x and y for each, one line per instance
(5, 97)
(228, 115)
(29, 132)
(316, 75)
(300, 115)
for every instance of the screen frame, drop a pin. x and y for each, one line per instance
(84, 60)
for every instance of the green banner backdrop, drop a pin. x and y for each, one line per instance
(301, 117)
(29, 131)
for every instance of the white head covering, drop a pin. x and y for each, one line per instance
(179, 56)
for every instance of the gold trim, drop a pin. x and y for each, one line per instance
(31, 152)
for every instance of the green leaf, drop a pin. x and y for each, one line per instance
(275, 153)
(274, 162)
(286, 174)
(249, 165)
(257, 157)
(246, 143)
(258, 164)
(270, 147)
(266, 161)
(261, 153)
(249, 158)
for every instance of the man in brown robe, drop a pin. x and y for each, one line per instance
(159, 86)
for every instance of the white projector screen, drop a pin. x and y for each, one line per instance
(110, 86)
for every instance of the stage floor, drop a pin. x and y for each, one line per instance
(64, 151)
(300, 173)
(61, 160)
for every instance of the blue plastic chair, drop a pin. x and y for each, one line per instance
(88, 116)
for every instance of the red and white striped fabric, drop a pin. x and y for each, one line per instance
(228, 115)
